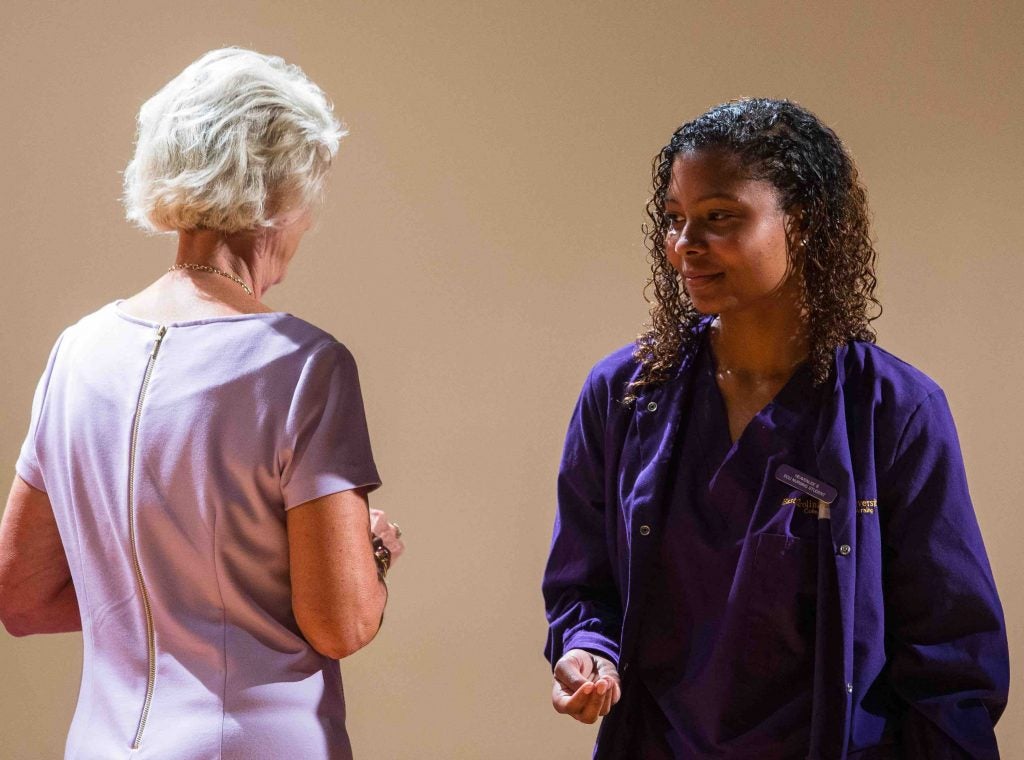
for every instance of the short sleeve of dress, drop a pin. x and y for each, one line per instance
(326, 446)
(29, 465)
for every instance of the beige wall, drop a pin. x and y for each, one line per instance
(480, 248)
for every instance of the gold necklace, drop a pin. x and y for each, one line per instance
(204, 268)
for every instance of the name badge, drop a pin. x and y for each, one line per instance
(801, 481)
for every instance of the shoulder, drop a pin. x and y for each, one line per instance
(609, 377)
(892, 399)
(306, 338)
(298, 346)
(97, 321)
(613, 373)
(317, 363)
(92, 327)
(867, 370)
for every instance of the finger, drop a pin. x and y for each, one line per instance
(572, 686)
(607, 671)
(616, 692)
(568, 701)
(612, 680)
(606, 667)
(396, 554)
(378, 521)
(591, 708)
(580, 704)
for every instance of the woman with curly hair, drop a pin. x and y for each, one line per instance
(764, 545)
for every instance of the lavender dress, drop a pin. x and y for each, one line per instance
(170, 454)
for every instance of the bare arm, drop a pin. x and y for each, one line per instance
(36, 592)
(336, 595)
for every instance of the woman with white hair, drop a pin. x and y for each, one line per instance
(192, 491)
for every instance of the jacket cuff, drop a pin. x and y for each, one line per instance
(595, 643)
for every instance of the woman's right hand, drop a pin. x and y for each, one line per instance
(585, 685)
(388, 532)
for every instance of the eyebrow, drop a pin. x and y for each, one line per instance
(708, 197)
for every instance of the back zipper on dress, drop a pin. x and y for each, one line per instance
(133, 541)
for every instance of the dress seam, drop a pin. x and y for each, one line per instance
(224, 631)
(87, 637)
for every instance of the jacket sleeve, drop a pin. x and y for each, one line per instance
(580, 594)
(945, 629)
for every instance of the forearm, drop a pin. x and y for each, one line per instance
(359, 606)
(580, 588)
(337, 594)
(582, 604)
(59, 614)
(36, 591)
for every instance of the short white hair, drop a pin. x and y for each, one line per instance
(232, 141)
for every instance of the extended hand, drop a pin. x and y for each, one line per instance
(585, 685)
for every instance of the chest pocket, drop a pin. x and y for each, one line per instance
(781, 607)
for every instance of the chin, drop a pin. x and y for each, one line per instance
(704, 310)
(707, 306)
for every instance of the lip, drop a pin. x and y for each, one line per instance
(693, 278)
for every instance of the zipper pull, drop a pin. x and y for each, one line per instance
(159, 337)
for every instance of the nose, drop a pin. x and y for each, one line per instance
(688, 240)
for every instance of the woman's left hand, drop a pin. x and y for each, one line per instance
(586, 686)
(388, 532)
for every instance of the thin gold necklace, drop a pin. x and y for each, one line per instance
(204, 268)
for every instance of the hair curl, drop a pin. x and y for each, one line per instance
(231, 142)
(783, 143)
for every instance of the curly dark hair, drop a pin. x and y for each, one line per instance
(828, 241)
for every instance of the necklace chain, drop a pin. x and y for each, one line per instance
(205, 268)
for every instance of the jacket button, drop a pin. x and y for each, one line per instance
(652, 406)
(845, 550)
(645, 530)
(849, 688)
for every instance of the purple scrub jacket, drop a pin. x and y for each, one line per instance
(907, 610)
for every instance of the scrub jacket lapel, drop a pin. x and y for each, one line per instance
(833, 671)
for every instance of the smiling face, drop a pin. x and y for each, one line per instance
(726, 236)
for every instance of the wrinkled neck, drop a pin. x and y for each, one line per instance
(247, 256)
